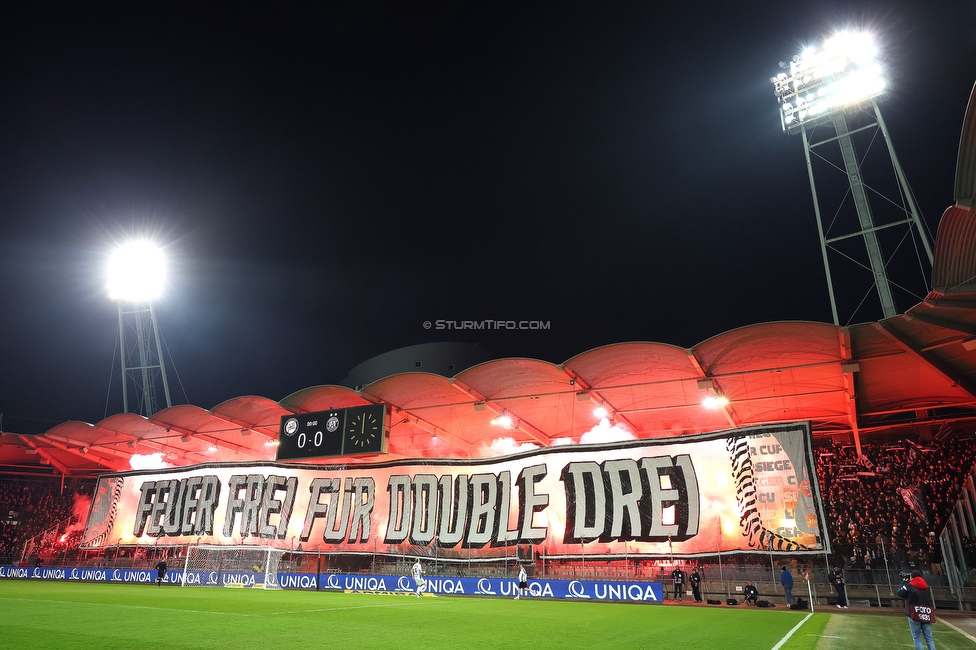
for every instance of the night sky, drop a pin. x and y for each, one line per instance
(323, 183)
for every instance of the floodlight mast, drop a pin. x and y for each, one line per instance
(136, 274)
(825, 85)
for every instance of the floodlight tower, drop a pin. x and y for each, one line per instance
(136, 273)
(825, 86)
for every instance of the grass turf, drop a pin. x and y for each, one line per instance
(79, 615)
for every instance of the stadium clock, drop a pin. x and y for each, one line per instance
(339, 432)
(364, 430)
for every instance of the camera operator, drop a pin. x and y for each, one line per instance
(920, 608)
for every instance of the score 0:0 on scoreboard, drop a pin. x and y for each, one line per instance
(339, 432)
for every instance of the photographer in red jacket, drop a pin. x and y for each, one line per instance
(919, 607)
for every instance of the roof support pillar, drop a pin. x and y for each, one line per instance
(848, 368)
(887, 328)
(45, 455)
(598, 398)
(727, 411)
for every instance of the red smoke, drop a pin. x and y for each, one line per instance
(79, 513)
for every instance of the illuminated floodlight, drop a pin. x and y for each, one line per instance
(715, 402)
(600, 412)
(844, 71)
(503, 421)
(136, 272)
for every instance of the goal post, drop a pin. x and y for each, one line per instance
(232, 566)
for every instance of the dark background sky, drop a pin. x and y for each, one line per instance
(325, 182)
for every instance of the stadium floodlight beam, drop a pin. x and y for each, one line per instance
(136, 276)
(714, 402)
(825, 84)
(136, 272)
(843, 72)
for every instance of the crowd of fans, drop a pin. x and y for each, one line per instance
(30, 508)
(888, 504)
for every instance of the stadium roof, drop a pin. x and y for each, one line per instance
(916, 370)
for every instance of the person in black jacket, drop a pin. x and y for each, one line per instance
(750, 593)
(160, 572)
(837, 579)
(695, 580)
(920, 609)
(678, 577)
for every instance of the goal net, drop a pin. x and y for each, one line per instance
(232, 566)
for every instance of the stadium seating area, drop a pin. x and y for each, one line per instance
(888, 503)
(30, 507)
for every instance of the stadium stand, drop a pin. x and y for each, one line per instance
(890, 502)
(36, 517)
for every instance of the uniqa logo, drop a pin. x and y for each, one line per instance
(239, 578)
(137, 576)
(576, 590)
(297, 581)
(370, 583)
(624, 592)
(89, 574)
(445, 586)
(13, 572)
(484, 587)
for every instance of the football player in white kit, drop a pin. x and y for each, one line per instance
(418, 577)
(523, 583)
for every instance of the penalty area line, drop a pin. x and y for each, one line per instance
(790, 633)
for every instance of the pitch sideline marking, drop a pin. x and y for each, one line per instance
(960, 631)
(205, 611)
(790, 633)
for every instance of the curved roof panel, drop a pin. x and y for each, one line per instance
(251, 411)
(954, 268)
(504, 378)
(964, 190)
(322, 398)
(416, 390)
(630, 363)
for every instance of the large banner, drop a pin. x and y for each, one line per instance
(740, 490)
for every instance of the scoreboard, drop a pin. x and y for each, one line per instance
(340, 432)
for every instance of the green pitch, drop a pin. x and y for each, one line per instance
(59, 615)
